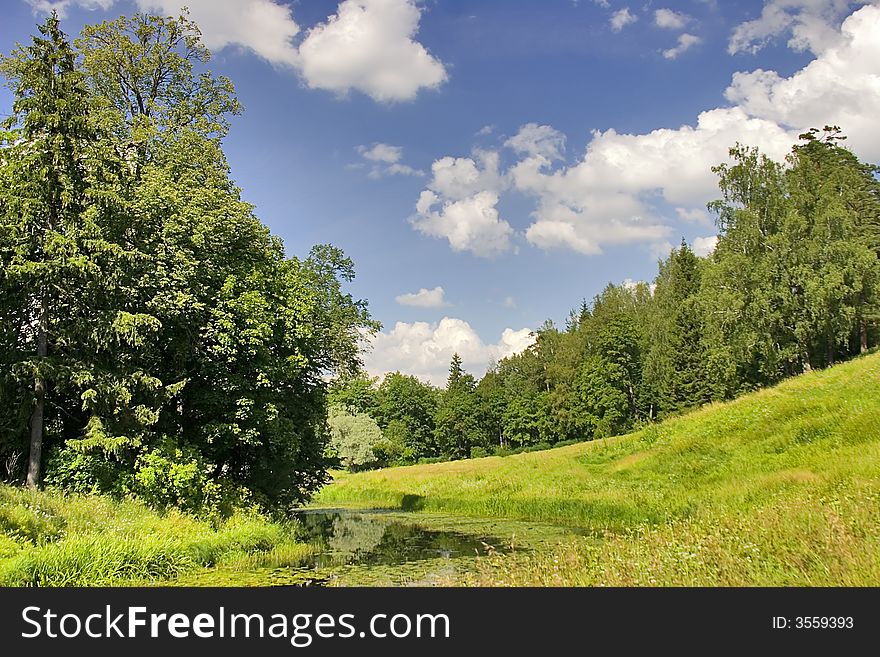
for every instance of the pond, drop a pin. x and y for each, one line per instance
(388, 548)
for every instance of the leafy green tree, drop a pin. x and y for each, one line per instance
(457, 419)
(674, 370)
(357, 393)
(353, 438)
(610, 378)
(176, 333)
(46, 251)
(405, 411)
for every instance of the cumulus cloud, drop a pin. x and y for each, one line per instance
(367, 45)
(607, 198)
(424, 350)
(670, 20)
(703, 246)
(685, 42)
(424, 298)
(460, 205)
(538, 140)
(840, 87)
(810, 23)
(264, 27)
(621, 18)
(384, 160)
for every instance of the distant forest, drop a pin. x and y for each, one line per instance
(156, 341)
(792, 285)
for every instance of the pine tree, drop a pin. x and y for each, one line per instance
(42, 208)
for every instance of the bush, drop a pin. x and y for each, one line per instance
(433, 459)
(173, 477)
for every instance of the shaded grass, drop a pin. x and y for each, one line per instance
(51, 539)
(778, 487)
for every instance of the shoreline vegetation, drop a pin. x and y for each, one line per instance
(48, 538)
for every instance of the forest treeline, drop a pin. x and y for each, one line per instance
(793, 284)
(155, 340)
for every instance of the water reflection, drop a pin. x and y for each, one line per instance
(369, 539)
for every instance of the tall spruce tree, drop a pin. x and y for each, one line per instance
(41, 210)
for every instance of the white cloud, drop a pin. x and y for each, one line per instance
(424, 298)
(380, 152)
(385, 161)
(621, 18)
(369, 46)
(61, 6)
(670, 20)
(685, 42)
(811, 25)
(694, 215)
(456, 178)
(425, 350)
(538, 140)
(459, 205)
(470, 224)
(703, 246)
(608, 197)
(486, 130)
(661, 250)
(840, 87)
(264, 27)
(509, 302)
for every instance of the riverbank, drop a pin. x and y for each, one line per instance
(51, 539)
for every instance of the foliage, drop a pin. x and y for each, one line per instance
(174, 342)
(353, 438)
(50, 539)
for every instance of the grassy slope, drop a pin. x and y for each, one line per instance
(779, 487)
(50, 539)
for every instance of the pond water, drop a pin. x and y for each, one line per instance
(387, 548)
(373, 539)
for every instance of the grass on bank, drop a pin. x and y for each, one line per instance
(52, 539)
(780, 487)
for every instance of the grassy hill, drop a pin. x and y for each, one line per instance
(781, 486)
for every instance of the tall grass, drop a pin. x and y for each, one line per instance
(51, 539)
(779, 487)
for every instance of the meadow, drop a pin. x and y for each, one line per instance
(53, 539)
(779, 487)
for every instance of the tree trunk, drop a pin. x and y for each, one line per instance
(863, 335)
(36, 456)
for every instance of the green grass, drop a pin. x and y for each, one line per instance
(51, 539)
(780, 487)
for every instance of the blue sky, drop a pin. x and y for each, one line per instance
(489, 164)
